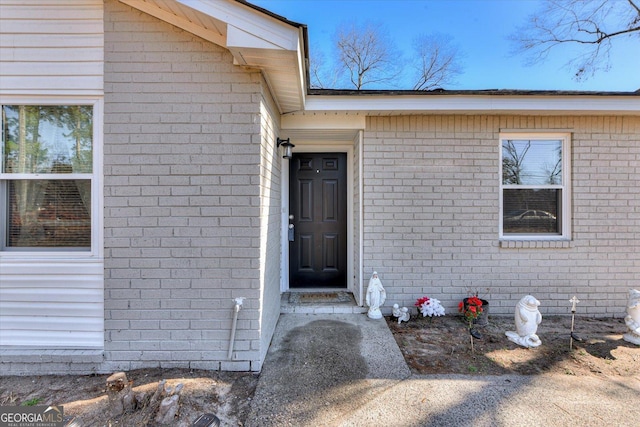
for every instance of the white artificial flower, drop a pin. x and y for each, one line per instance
(431, 308)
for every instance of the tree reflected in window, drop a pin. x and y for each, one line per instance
(47, 174)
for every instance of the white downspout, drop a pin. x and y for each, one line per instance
(236, 310)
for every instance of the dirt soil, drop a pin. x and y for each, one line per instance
(443, 346)
(440, 346)
(226, 394)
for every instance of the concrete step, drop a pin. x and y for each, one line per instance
(320, 302)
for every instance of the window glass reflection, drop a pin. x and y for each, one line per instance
(526, 162)
(47, 139)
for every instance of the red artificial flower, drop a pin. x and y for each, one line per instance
(471, 308)
(474, 301)
(421, 301)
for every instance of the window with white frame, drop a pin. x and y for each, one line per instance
(46, 177)
(535, 186)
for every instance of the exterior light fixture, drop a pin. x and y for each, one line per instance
(288, 147)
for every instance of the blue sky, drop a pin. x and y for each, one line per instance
(480, 29)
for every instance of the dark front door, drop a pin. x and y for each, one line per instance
(318, 213)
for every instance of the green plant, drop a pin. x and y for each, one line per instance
(473, 369)
(32, 402)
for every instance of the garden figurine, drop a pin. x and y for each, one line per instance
(527, 318)
(376, 295)
(632, 320)
(401, 313)
(405, 315)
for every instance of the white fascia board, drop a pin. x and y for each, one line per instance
(466, 104)
(248, 25)
(302, 75)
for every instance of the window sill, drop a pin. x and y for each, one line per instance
(536, 244)
(49, 255)
(35, 355)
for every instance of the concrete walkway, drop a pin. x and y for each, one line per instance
(346, 370)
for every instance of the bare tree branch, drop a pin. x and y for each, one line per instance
(436, 61)
(513, 162)
(320, 70)
(366, 54)
(591, 24)
(635, 6)
(367, 57)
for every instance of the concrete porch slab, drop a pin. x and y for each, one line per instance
(323, 366)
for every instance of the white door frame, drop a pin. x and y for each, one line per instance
(301, 147)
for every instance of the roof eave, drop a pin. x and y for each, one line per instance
(477, 102)
(255, 37)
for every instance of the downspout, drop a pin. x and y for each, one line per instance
(236, 310)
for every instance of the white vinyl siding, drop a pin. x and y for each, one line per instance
(51, 47)
(51, 53)
(52, 310)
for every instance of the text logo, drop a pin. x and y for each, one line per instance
(31, 416)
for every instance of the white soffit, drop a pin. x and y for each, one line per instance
(255, 39)
(474, 104)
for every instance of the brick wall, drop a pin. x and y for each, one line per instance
(431, 207)
(182, 200)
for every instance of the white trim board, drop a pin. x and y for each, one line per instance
(474, 104)
(301, 147)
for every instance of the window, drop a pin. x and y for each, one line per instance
(534, 190)
(46, 177)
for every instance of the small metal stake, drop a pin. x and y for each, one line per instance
(473, 333)
(573, 302)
